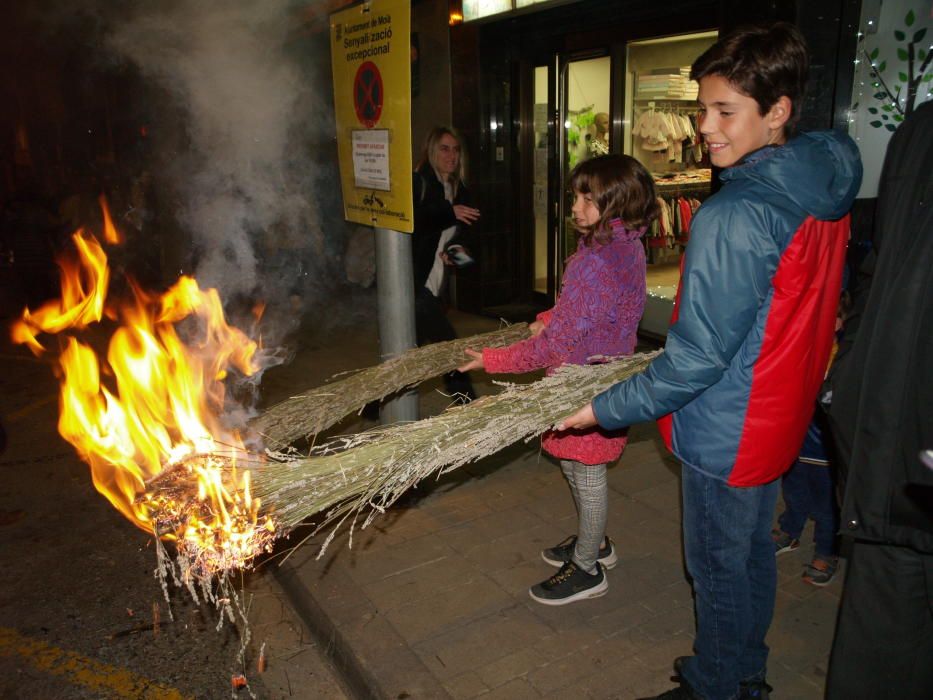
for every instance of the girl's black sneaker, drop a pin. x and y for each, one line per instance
(560, 554)
(569, 585)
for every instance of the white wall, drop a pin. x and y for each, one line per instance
(879, 22)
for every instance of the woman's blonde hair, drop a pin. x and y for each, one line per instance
(429, 154)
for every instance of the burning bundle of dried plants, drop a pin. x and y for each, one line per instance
(316, 410)
(355, 475)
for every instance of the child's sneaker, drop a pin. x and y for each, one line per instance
(560, 554)
(783, 542)
(820, 571)
(570, 584)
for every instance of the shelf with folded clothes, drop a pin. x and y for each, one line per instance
(675, 187)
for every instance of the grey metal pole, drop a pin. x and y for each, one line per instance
(396, 294)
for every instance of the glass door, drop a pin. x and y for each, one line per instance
(584, 97)
(542, 249)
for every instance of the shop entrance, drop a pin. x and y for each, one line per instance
(575, 90)
(633, 97)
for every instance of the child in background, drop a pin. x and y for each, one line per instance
(597, 313)
(809, 491)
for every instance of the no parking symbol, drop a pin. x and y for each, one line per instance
(368, 94)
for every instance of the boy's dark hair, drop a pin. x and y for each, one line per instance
(762, 62)
(621, 189)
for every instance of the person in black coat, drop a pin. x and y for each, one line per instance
(882, 418)
(442, 219)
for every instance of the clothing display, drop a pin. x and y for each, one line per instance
(672, 227)
(597, 147)
(684, 177)
(666, 83)
(671, 132)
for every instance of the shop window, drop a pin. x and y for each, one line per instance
(477, 9)
(540, 192)
(660, 130)
(586, 119)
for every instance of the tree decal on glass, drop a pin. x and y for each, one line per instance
(898, 98)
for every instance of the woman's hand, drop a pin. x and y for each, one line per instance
(582, 419)
(535, 327)
(465, 214)
(475, 363)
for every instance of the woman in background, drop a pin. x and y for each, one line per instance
(442, 220)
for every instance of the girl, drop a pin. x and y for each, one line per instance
(597, 313)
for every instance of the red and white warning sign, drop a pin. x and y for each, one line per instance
(368, 94)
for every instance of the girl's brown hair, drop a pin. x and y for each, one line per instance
(621, 188)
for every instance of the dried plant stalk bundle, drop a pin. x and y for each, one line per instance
(319, 408)
(369, 471)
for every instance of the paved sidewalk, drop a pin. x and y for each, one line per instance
(431, 600)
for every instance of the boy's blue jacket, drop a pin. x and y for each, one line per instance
(753, 321)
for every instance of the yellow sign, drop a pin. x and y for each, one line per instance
(371, 57)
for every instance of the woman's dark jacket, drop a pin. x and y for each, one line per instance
(433, 214)
(882, 402)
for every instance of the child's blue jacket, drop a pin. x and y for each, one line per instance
(754, 316)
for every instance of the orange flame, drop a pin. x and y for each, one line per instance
(84, 287)
(160, 410)
(111, 235)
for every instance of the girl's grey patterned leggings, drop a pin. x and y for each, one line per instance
(591, 496)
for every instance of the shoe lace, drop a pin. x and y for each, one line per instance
(565, 572)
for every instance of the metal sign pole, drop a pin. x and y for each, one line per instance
(396, 296)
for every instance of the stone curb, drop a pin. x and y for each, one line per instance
(372, 659)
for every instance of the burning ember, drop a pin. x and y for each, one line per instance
(145, 418)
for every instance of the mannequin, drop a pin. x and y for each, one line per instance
(598, 144)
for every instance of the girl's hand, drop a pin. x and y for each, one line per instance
(582, 419)
(475, 363)
(535, 327)
(465, 214)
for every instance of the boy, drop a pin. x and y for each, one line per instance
(748, 347)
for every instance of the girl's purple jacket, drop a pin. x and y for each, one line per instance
(596, 314)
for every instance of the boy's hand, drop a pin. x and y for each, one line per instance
(475, 363)
(535, 327)
(582, 419)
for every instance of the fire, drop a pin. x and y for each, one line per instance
(146, 418)
(84, 287)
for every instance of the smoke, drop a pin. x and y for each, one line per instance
(242, 174)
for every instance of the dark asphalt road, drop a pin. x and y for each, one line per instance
(77, 591)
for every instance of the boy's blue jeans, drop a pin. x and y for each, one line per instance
(809, 492)
(730, 555)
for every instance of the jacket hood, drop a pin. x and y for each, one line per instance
(820, 171)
